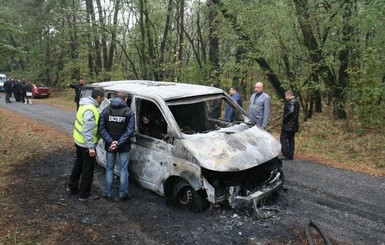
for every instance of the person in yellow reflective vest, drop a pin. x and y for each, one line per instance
(86, 137)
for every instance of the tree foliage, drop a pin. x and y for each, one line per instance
(329, 52)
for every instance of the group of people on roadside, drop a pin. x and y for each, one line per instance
(21, 90)
(259, 111)
(116, 125)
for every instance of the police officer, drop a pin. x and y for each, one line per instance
(117, 126)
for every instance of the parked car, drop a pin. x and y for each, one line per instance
(190, 158)
(40, 91)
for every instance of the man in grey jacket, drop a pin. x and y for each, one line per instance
(86, 137)
(259, 106)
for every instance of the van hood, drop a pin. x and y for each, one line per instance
(232, 149)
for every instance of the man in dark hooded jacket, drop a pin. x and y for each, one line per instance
(8, 90)
(290, 125)
(116, 127)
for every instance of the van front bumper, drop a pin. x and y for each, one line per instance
(274, 183)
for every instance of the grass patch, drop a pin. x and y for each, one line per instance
(340, 143)
(334, 143)
(61, 98)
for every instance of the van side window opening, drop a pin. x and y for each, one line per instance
(151, 120)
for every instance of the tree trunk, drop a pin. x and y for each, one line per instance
(102, 31)
(167, 27)
(150, 45)
(343, 79)
(113, 36)
(213, 44)
(75, 75)
(315, 55)
(142, 43)
(181, 40)
(96, 51)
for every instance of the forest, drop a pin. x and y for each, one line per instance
(330, 52)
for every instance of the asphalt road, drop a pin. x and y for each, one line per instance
(348, 206)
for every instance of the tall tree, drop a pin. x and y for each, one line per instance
(93, 41)
(213, 41)
(181, 39)
(166, 31)
(113, 36)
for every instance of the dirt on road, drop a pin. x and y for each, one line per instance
(40, 206)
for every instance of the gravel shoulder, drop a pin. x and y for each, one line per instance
(348, 206)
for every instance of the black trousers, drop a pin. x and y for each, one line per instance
(82, 172)
(8, 96)
(288, 144)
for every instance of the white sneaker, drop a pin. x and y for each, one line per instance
(30, 102)
(25, 102)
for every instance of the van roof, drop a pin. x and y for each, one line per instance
(165, 90)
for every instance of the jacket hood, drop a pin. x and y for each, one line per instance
(233, 149)
(118, 103)
(88, 101)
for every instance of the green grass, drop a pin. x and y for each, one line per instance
(63, 98)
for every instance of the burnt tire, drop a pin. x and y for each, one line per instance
(184, 196)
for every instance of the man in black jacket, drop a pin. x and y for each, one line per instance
(78, 89)
(8, 90)
(116, 127)
(290, 125)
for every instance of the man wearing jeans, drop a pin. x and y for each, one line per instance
(116, 127)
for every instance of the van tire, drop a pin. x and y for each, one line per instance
(187, 198)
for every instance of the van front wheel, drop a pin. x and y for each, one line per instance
(187, 198)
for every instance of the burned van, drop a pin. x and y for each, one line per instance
(185, 151)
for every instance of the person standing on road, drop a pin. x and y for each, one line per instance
(259, 106)
(8, 90)
(229, 112)
(17, 90)
(23, 93)
(117, 126)
(28, 93)
(290, 125)
(86, 137)
(78, 89)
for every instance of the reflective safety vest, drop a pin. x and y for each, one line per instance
(78, 130)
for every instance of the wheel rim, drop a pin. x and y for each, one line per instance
(185, 196)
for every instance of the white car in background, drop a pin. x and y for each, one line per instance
(3, 78)
(194, 160)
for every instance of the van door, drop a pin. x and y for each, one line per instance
(151, 153)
